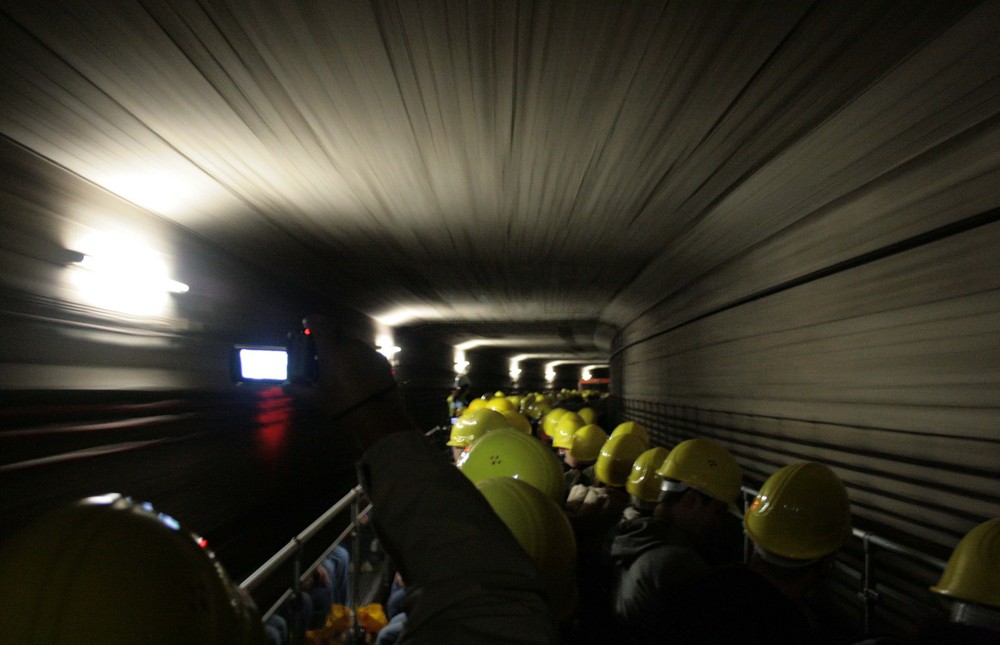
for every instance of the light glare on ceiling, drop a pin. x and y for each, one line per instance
(405, 315)
(176, 193)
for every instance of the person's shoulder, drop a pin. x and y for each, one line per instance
(652, 543)
(651, 530)
(732, 595)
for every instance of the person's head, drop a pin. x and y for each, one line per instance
(472, 425)
(700, 482)
(972, 577)
(644, 481)
(563, 429)
(550, 419)
(501, 404)
(588, 415)
(110, 570)
(615, 461)
(585, 446)
(517, 421)
(632, 428)
(512, 453)
(543, 531)
(800, 518)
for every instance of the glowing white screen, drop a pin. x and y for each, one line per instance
(264, 364)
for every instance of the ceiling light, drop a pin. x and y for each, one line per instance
(385, 345)
(119, 272)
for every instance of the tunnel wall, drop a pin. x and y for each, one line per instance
(854, 321)
(426, 374)
(851, 317)
(53, 338)
(887, 371)
(864, 336)
(489, 370)
(532, 377)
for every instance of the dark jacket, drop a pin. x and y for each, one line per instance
(654, 564)
(733, 604)
(467, 578)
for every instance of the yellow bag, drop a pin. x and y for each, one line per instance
(372, 618)
(338, 621)
(339, 618)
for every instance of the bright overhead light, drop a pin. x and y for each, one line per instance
(587, 372)
(461, 365)
(119, 272)
(386, 347)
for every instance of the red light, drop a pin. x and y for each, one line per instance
(202, 542)
(307, 332)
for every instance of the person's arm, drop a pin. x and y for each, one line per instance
(465, 572)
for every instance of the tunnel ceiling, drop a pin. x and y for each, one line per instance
(524, 162)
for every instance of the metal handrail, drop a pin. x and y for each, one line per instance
(289, 550)
(872, 538)
(294, 550)
(867, 594)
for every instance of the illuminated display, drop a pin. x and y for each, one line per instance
(264, 364)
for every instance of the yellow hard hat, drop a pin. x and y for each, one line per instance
(616, 459)
(474, 424)
(633, 428)
(585, 444)
(644, 480)
(543, 531)
(110, 570)
(973, 570)
(567, 424)
(517, 421)
(499, 394)
(588, 415)
(500, 404)
(475, 404)
(511, 453)
(550, 419)
(704, 465)
(801, 513)
(537, 409)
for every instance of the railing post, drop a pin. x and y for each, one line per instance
(355, 568)
(747, 546)
(297, 629)
(868, 595)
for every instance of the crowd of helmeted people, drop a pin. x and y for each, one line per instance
(535, 526)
